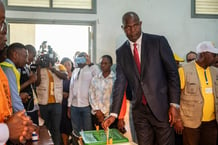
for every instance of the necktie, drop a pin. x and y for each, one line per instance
(136, 58)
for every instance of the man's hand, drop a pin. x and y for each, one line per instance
(29, 129)
(65, 95)
(20, 127)
(121, 125)
(107, 122)
(99, 115)
(178, 126)
(173, 115)
(24, 97)
(32, 78)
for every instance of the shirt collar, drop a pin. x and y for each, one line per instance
(199, 67)
(10, 61)
(111, 75)
(138, 41)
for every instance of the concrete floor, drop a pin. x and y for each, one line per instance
(44, 138)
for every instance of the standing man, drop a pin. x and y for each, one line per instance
(27, 84)
(146, 61)
(78, 101)
(49, 90)
(199, 109)
(17, 56)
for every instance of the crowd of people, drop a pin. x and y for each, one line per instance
(171, 103)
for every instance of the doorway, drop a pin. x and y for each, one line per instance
(65, 40)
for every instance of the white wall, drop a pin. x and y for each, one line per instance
(171, 18)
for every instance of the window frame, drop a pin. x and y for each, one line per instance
(51, 9)
(196, 15)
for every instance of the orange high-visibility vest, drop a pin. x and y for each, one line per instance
(5, 97)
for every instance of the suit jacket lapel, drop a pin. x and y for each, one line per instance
(143, 54)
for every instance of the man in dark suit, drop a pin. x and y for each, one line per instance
(154, 84)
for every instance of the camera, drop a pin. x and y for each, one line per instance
(45, 57)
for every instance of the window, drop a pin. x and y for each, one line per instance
(204, 8)
(66, 40)
(76, 6)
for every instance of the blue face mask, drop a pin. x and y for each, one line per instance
(80, 60)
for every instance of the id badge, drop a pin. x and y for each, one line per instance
(208, 90)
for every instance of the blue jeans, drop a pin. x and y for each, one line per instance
(51, 113)
(81, 118)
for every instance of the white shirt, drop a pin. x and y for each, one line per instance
(100, 92)
(4, 133)
(138, 46)
(79, 85)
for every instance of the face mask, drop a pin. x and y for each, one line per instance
(80, 60)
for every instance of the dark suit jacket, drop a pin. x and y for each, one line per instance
(159, 79)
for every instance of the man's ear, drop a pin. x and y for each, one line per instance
(15, 54)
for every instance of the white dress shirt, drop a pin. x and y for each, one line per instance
(79, 85)
(138, 46)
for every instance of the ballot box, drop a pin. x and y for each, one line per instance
(99, 137)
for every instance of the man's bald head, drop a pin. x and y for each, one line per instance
(1, 4)
(129, 15)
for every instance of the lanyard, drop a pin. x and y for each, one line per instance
(205, 76)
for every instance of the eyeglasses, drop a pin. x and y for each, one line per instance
(3, 26)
